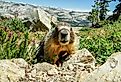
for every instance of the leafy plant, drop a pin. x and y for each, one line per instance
(16, 41)
(14, 24)
(14, 45)
(102, 42)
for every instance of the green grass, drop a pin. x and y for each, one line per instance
(101, 42)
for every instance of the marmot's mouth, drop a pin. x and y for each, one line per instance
(64, 41)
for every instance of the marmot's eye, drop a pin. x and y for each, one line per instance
(56, 28)
(71, 29)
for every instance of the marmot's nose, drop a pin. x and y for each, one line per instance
(64, 33)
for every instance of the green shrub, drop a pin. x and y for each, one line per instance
(14, 24)
(101, 42)
(16, 41)
(15, 45)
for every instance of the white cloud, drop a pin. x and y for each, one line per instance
(80, 10)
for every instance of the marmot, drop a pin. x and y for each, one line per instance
(58, 44)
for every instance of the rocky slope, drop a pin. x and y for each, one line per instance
(18, 70)
(75, 18)
(79, 68)
(108, 72)
(26, 11)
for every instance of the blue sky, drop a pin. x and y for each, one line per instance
(82, 5)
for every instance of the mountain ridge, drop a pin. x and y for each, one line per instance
(74, 18)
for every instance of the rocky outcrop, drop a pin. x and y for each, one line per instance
(33, 17)
(79, 68)
(108, 72)
(12, 70)
(43, 20)
(72, 70)
(17, 70)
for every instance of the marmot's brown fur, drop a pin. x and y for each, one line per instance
(59, 43)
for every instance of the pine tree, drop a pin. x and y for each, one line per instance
(104, 4)
(99, 12)
(94, 14)
(116, 12)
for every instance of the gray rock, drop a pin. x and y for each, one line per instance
(12, 72)
(79, 68)
(43, 20)
(20, 62)
(71, 71)
(52, 72)
(108, 72)
(17, 70)
(81, 58)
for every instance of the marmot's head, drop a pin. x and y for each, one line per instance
(64, 34)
